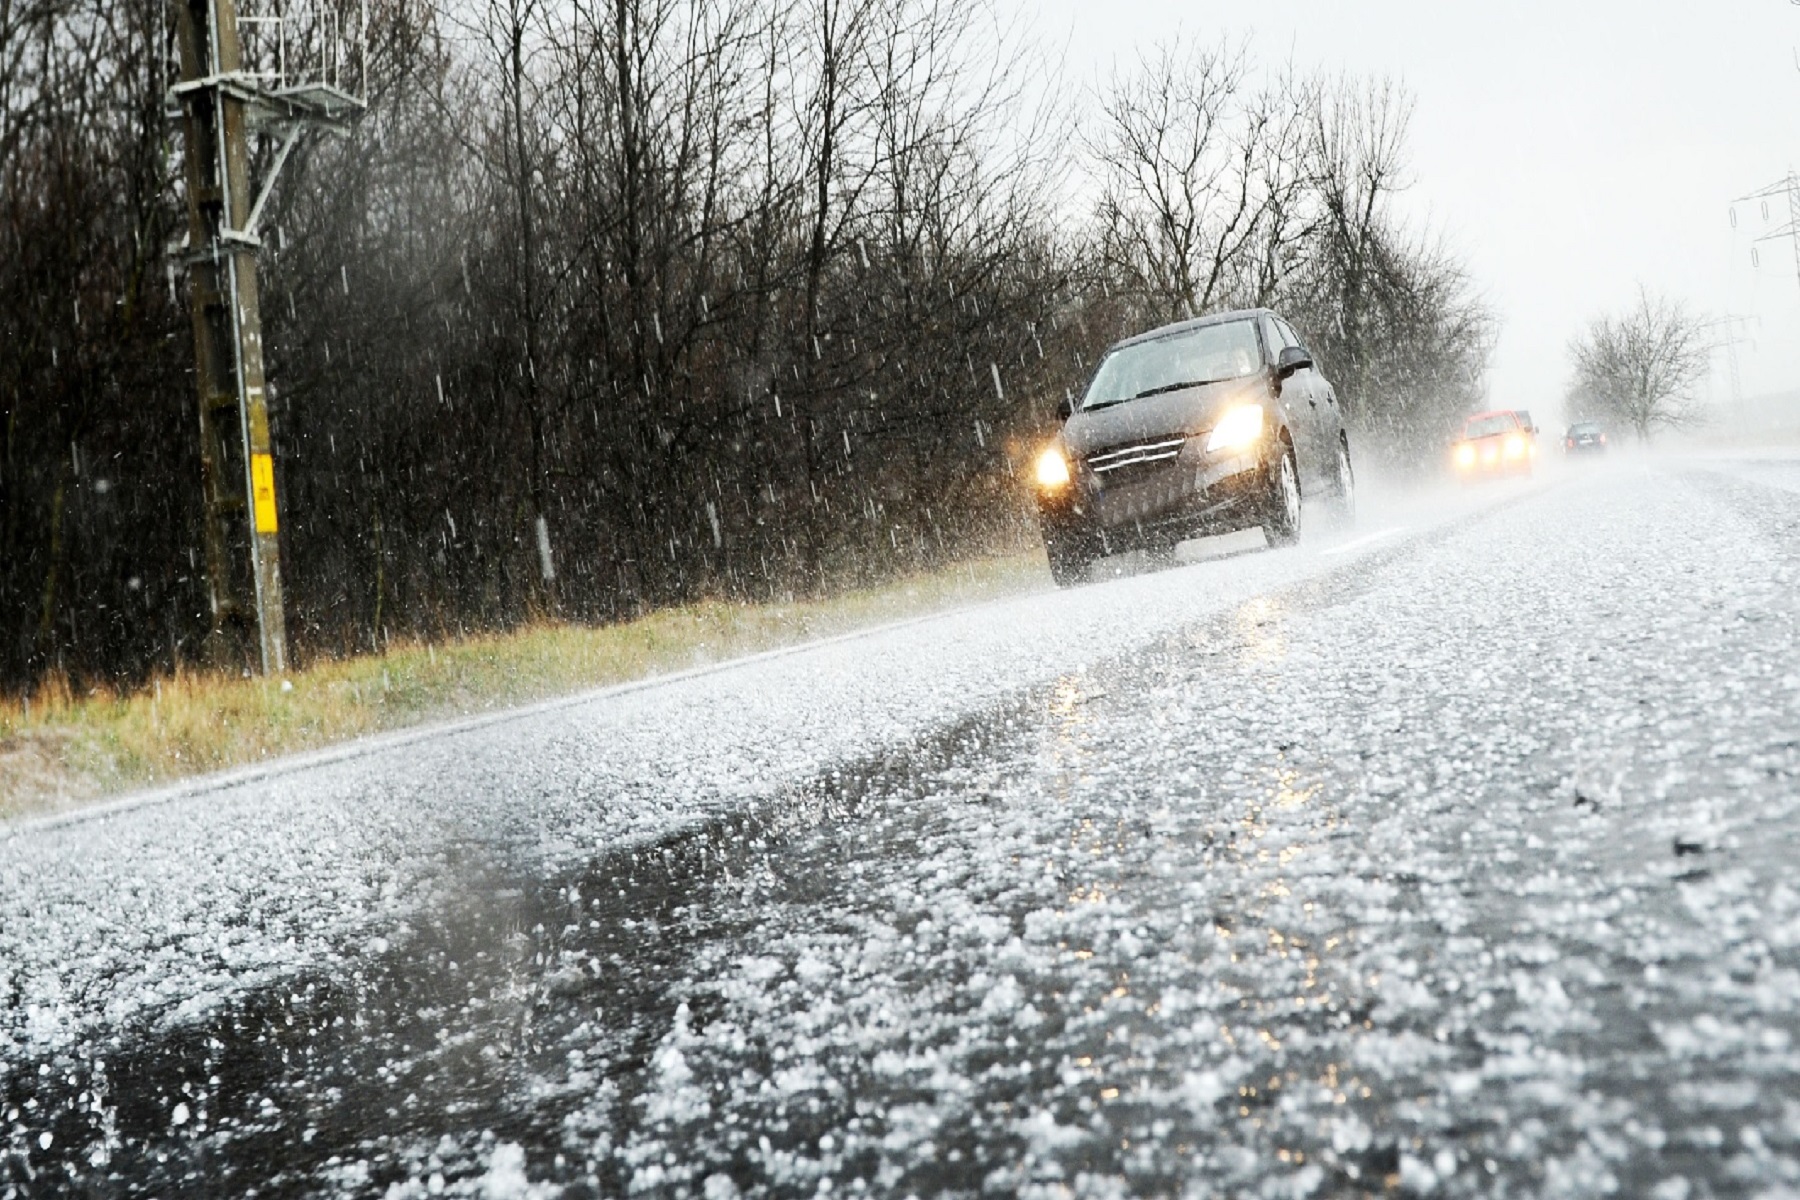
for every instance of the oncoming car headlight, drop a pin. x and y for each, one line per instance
(1465, 455)
(1239, 429)
(1052, 469)
(1515, 446)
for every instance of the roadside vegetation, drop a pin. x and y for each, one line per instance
(1640, 369)
(618, 305)
(64, 748)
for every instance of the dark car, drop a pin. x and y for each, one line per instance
(1206, 426)
(1585, 437)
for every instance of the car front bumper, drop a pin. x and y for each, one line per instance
(1192, 496)
(1492, 462)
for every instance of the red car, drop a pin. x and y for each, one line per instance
(1500, 442)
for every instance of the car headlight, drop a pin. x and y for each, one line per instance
(1052, 469)
(1240, 428)
(1465, 455)
(1515, 446)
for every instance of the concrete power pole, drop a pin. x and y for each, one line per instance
(222, 105)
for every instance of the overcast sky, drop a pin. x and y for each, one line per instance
(1569, 150)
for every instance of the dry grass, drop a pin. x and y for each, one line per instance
(64, 750)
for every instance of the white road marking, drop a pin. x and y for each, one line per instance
(1360, 542)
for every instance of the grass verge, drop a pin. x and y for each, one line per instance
(62, 750)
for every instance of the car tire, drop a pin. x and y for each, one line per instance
(1343, 496)
(1281, 524)
(1068, 564)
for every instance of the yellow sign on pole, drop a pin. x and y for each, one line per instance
(262, 483)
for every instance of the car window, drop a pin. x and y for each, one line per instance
(1293, 339)
(1273, 339)
(1207, 354)
(1488, 426)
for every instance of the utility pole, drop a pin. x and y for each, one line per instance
(222, 104)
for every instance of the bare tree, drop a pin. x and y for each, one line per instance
(1218, 190)
(1639, 367)
(85, 209)
(512, 33)
(1359, 135)
(1202, 176)
(1390, 308)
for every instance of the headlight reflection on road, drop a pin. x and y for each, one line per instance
(1068, 700)
(1279, 922)
(1265, 921)
(1260, 629)
(1093, 893)
(1069, 721)
(1291, 792)
(1088, 840)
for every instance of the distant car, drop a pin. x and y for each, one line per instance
(1493, 444)
(1207, 426)
(1585, 437)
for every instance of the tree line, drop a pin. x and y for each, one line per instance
(611, 304)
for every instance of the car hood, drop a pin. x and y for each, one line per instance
(1171, 415)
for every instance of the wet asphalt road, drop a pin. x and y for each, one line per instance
(1464, 862)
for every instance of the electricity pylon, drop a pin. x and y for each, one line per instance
(1788, 189)
(223, 103)
(1731, 323)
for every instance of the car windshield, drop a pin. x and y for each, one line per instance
(1206, 354)
(1583, 429)
(1489, 426)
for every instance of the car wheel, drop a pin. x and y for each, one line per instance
(1343, 501)
(1068, 564)
(1282, 524)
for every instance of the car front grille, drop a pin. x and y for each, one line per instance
(1134, 456)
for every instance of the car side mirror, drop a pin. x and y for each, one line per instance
(1291, 359)
(1064, 409)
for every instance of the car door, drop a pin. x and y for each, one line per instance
(1302, 397)
(1290, 396)
(1330, 410)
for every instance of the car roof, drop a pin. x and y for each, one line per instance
(1163, 331)
(1492, 412)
